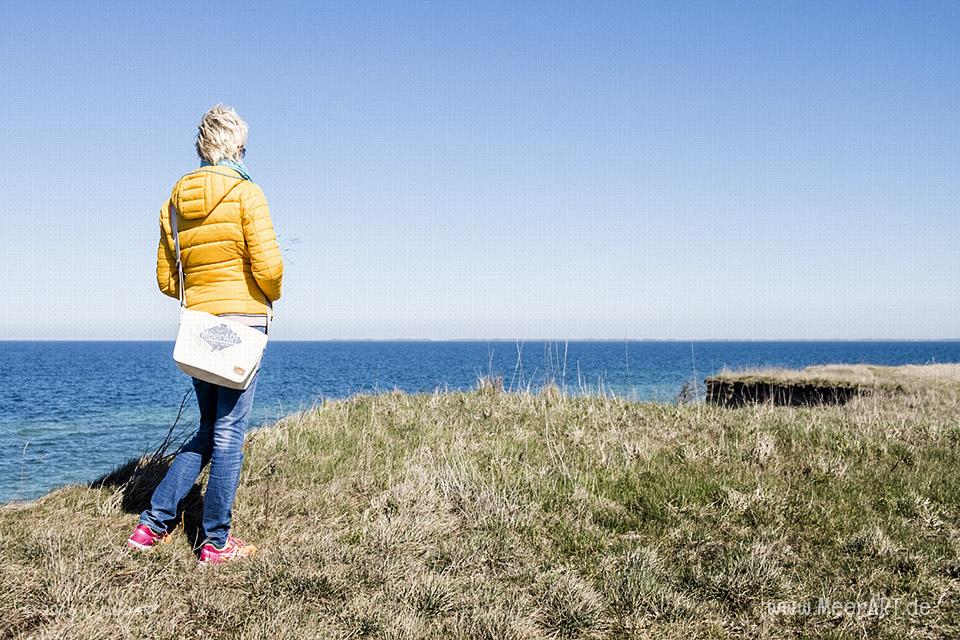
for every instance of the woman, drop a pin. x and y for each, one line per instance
(232, 267)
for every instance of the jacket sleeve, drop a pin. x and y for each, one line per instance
(265, 260)
(167, 278)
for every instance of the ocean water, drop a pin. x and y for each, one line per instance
(72, 411)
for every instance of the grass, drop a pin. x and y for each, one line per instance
(911, 377)
(487, 514)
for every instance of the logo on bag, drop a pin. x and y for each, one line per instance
(220, 337)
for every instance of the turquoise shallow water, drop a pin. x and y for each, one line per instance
(71, 411)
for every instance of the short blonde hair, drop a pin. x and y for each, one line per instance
(222, 134)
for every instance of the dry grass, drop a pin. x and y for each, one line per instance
(857, 375)
(498, 515)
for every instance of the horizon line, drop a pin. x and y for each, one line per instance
(617, 340)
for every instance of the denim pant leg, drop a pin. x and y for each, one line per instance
(187, 465)
(229, 429)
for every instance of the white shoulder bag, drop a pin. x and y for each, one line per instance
(214, 349)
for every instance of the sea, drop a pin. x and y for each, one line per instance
(73, 411)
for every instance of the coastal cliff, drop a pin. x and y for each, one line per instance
(825, 384)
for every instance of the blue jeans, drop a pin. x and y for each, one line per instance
(224, 416)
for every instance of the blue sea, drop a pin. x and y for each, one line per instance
(72, 411)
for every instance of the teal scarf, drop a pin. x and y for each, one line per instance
(236, 165)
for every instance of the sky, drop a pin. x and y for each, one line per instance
(447, 170)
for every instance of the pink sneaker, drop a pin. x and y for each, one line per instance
(144, 538)
(234, 549)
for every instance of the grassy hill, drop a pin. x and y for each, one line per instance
(487, 514)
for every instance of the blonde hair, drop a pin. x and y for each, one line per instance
(222, 134)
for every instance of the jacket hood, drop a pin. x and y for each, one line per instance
(198, 193)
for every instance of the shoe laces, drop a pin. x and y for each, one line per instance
(232, 545)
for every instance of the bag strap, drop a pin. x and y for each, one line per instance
(176, 244)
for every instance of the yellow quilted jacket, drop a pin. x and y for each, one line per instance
(228, 248)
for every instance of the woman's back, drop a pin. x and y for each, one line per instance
(228, 248)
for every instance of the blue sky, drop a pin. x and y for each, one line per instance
(499, 170)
